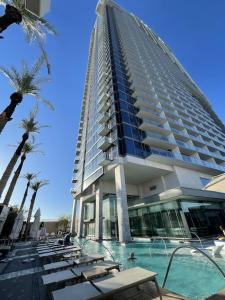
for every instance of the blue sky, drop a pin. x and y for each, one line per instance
(194, 30)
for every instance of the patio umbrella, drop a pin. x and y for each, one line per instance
(17, 226)
(36, 224)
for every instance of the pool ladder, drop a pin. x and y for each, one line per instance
(190, 247)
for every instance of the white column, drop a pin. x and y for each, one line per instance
(186, 228)
(73, 219)
(80, 220)
(98, 213)
(122, 208)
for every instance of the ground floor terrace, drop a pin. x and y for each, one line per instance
(178, 213)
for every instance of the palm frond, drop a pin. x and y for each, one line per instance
(27, 81)
(30, 148)
(30, 176)
(10, 75)
(39, 184)
(46, 102)
(30, 124)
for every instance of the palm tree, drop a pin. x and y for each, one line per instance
(25, 82)
(34, 27)
(28, 148)
(35, 187)
(30, 126)
(28, 177)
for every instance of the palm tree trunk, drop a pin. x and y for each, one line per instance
(24, 196)
(6, 115)
(30, 214)
(11, 164)
(14, 181)
(11, 16)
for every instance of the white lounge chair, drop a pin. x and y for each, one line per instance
(59, 265)
(58, 277)
(81, 291)
(107, 287)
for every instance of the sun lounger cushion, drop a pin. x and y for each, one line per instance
(124, 280)
(81, 291)
(58, 277)
(58, 265)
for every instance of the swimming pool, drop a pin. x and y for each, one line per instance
(193, 276)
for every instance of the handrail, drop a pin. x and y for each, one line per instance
(191, 247)
(107, 249)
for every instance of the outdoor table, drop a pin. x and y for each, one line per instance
(82, 291)
(58, 277)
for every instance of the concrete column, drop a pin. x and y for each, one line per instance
(73, 219)
(122, 208)
(186, 228)
(98, 213)
(80, 220)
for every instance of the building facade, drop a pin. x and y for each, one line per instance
(148, 139)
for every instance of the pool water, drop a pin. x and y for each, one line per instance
(193, 276)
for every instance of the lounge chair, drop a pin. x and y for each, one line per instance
(59, 265)
(63, 277)
(81, 291)
(58, 278)
(107, 287)
(88, 259)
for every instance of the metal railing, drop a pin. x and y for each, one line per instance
(194, 248)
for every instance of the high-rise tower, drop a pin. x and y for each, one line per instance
(148, 139)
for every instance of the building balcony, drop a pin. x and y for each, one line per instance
(103, 118)
(148, 125)
(74, 180)
(103, 107)
(103, 130)
(149, 114)
(105, 159)
(161, 152)
(103, 96)
(104, 143)
(179, 132)
(158, 140)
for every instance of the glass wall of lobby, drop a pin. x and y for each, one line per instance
(169, 219)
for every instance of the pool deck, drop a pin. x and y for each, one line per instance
(21, 280)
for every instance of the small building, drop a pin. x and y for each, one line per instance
(51, 225)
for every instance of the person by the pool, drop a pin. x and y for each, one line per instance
(131, 256)
(66, 241)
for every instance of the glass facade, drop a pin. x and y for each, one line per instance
(129, 136)
(161, 219)
(157, 220)
(204, 218)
